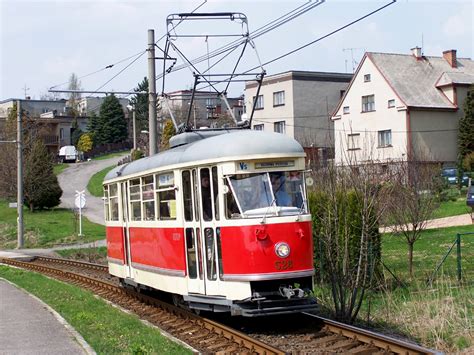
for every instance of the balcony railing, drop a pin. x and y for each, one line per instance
(50, 139)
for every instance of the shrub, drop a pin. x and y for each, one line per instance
(137, 154)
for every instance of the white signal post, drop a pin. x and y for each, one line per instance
(80, 203)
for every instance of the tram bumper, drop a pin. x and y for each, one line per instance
(274, 307)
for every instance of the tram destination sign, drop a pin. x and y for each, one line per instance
(274, 164)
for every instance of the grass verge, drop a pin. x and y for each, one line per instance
(105, 328)
(46, 228)
(111, 155)
(59, 168)
(95, 183)
(440, 315)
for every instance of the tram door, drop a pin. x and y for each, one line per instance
(126, 229)
(192, 232)
(209, 213)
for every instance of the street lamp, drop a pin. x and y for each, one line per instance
(132, 109)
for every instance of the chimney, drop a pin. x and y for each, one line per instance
(450, 56)
(416, 53)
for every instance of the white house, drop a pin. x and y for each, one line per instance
(400, 107)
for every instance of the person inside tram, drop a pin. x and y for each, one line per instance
(206, 196)
(278, 186)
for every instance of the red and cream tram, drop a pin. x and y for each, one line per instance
(220, 221)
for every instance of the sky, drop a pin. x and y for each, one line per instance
(43, 42)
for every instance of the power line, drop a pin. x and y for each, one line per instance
(110, 66)
(317, 40)
(346, 130)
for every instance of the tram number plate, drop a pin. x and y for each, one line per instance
(283, 264)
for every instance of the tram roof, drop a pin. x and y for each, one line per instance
(230, 144)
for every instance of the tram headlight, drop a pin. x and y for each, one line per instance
(282, 249)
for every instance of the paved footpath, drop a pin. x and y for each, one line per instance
(29, 326)
(453, 221)
(76, 177)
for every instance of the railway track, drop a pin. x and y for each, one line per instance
(319, 335)
(202, 334)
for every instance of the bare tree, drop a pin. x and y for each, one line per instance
(414, 200)
(347, 206)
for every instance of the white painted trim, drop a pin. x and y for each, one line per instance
(267, 276)
(159, 270)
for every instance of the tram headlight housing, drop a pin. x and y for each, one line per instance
(282, 249)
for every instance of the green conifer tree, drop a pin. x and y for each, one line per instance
(41, 187)
(466, 129)
(140, 102)
(112, 124)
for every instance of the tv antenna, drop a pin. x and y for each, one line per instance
(354, 63)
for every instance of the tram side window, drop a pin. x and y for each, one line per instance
(210, 254)
(215, 191)
(219, 252)
(148, 198)
(191, 251)
(113, 202)
(206, 195)
(166, 196)
(106, 203)
(187, 196)
(135, 201)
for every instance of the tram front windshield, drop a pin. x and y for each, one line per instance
(274, 193)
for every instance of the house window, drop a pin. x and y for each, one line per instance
(385, 138)
(353, 141)
(345, 110)
(61, 133)
(278, 98)
(258, 127)
(279, 127)
(391, 103)
(259, 104)
(366, 78)
(368, 103)
(341, 93)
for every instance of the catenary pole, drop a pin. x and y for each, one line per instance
(152, 94)
(134, 123)
(19, 141)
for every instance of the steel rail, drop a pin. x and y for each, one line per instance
(380, 341)
(232, 336)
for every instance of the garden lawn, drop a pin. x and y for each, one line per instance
(95, 183)
(46, 228)
(429, 249)
(107, 329)
(452, 208)
(111, 155)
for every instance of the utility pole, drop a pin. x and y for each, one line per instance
(134, 129)
(152, 94)
(19, 141)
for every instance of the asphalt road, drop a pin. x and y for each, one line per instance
(75, 178)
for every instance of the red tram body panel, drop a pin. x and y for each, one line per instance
(258, 242)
